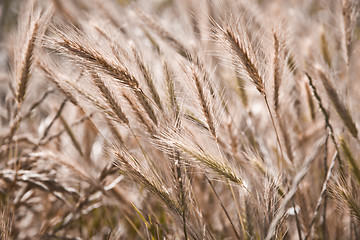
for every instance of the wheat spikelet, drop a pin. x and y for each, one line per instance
(148, 80)
(86, 52)
(139, 114)
(277, 71)
(244, 57)
(204, 102)
(171, 90)
(109, 98)
(32, 25)
(341, 189)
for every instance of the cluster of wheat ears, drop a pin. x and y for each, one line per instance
(179, 119)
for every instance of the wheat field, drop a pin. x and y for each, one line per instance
(179, 119)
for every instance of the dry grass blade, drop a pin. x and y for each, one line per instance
(57, 115)
(224, 209)
(59, 134)
(322, 194)
(287, 140)
(326, 116)
(39, 180)
(297, 179)
(71, 135)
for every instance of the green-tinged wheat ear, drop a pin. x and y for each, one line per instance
(339, 105)
(325, 49)
(216, 165)
(136, 175)
(353, 204)
(147, 224)
(349, 157)
(242, 91)
(341, 190)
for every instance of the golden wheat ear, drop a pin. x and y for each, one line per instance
(240, 47)
(33, 24)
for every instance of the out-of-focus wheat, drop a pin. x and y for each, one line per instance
(167, 120)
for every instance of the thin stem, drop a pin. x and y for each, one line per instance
(223, 207)
(273, 123)
(297, 220)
